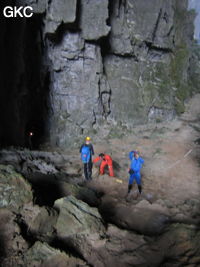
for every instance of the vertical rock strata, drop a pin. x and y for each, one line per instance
(126, 69)
(93, 17)
(58, 12)
(122, 62)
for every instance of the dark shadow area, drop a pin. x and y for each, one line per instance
(24, 231)
(104, 43)
(3, 253)
(111, 4)
(169, 262)
(46, 189)
(24, 84)
(57, 37)
(116, 166)
(108, 210)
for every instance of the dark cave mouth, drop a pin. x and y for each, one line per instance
(24, 96)
(46, 188)
(45, 194)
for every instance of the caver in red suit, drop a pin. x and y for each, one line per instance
(105, 160)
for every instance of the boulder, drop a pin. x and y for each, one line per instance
(11, 240)
(43, 255)
(147, 219)
(76, 217)
(14, 190)
(181, 245)
(80, 192)
(39, 221)
(27, 161)
(126, 248)
(80, 227)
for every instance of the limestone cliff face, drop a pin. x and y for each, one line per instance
(125, 62)
(112, 62)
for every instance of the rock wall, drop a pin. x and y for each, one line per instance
(108, 64)
(125, 65)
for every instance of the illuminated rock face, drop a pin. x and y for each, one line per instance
(79, 66)
(135, 69)
(195, 5)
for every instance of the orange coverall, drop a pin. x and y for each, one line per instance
(106, 160)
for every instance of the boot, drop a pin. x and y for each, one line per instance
(140, 188)
(129, 188)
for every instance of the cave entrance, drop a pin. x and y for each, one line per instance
(24, 83)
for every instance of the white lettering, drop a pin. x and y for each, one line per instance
(30, 14)
(17, 11)
(13, 12)
(8, 12)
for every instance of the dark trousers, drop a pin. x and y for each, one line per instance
(131, 185)
(88, 170)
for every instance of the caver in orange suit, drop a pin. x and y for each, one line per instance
(105, 160)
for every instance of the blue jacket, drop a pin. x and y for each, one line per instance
(136, 164)
(131, 155)
(91, 150)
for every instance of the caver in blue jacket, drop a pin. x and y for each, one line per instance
(135, 167)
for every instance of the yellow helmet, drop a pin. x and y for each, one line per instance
(87, 138)
(137, 151)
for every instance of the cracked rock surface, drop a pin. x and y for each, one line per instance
(81, 67)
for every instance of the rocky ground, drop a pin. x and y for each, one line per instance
(51, 217)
